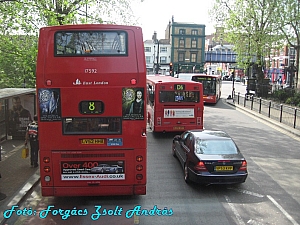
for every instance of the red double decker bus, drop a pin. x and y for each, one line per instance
(91, 82)
(174, 104)
(212, 85)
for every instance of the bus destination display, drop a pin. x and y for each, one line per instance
(91, 107)
(179, 87)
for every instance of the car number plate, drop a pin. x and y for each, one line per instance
(178, 128)
(223, 168)
(99, 141)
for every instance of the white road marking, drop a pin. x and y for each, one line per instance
(246, 192)
(285, 213)
(235, 212)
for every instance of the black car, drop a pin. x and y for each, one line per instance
(209, 157)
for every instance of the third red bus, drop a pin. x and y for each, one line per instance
(212, 85)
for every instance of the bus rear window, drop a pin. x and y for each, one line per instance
(87, 125)
(76, 43)
(179, 96)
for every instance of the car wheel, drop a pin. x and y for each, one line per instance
(173, 150)
(186, 174)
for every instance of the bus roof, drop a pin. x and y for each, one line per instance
(206, 75)
(89, 26)
(162, 78)
(188, 76)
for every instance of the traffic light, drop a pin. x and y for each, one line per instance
(171, 68)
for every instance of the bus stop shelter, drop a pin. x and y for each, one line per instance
(17, 108)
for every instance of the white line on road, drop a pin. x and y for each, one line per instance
(283, 211)
(237, 215)
(246, 192)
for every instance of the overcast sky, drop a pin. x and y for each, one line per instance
(154, 15)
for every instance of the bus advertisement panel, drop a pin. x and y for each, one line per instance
(91, 83)
(212, 85)
(174, 104)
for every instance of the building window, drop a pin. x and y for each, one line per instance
(163, 59)
(194, 32)
(148, 59)
(194, 43)
(181, 31)
(181, 57)
(181, 43)
(147, 49)
(163, 49)
(193, 57)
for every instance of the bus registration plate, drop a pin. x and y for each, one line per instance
(224, 168)
(178, 128)
(99, 141)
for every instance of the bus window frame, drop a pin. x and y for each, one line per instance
(88, 54)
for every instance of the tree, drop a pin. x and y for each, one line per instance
(258, 26)
(24, 18)
(288, 23)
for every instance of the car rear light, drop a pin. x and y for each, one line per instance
(243, 166)
(158, 121)
(200, 167)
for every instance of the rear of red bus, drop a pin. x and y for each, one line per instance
(212, 85)
(92, 117)
(174, 104)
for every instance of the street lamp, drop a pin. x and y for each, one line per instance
(210, 55)
(156, 41)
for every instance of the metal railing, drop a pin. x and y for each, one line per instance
(282, 113)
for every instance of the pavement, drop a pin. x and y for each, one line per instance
(19, 178)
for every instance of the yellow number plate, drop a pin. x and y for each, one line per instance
(178, 128)
(224, 168)
(92, 141)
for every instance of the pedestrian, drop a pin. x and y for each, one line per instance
(32, 136)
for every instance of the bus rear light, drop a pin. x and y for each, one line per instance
(47, 178)
(198, 120)
(139, 167)
(158, 119)
(144, 132)
(139, 158)
(46, 159)
(47, 169)
(133, 81)
(139, 177)
(48, 82)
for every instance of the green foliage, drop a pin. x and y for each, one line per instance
(287, 96)
(20, 22)
(257, 27)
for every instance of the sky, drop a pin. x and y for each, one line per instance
(154, 15)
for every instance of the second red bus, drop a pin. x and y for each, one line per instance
(174, 104)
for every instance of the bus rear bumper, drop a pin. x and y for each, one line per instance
(94, 191)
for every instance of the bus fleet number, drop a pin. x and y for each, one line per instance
(90, 70)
